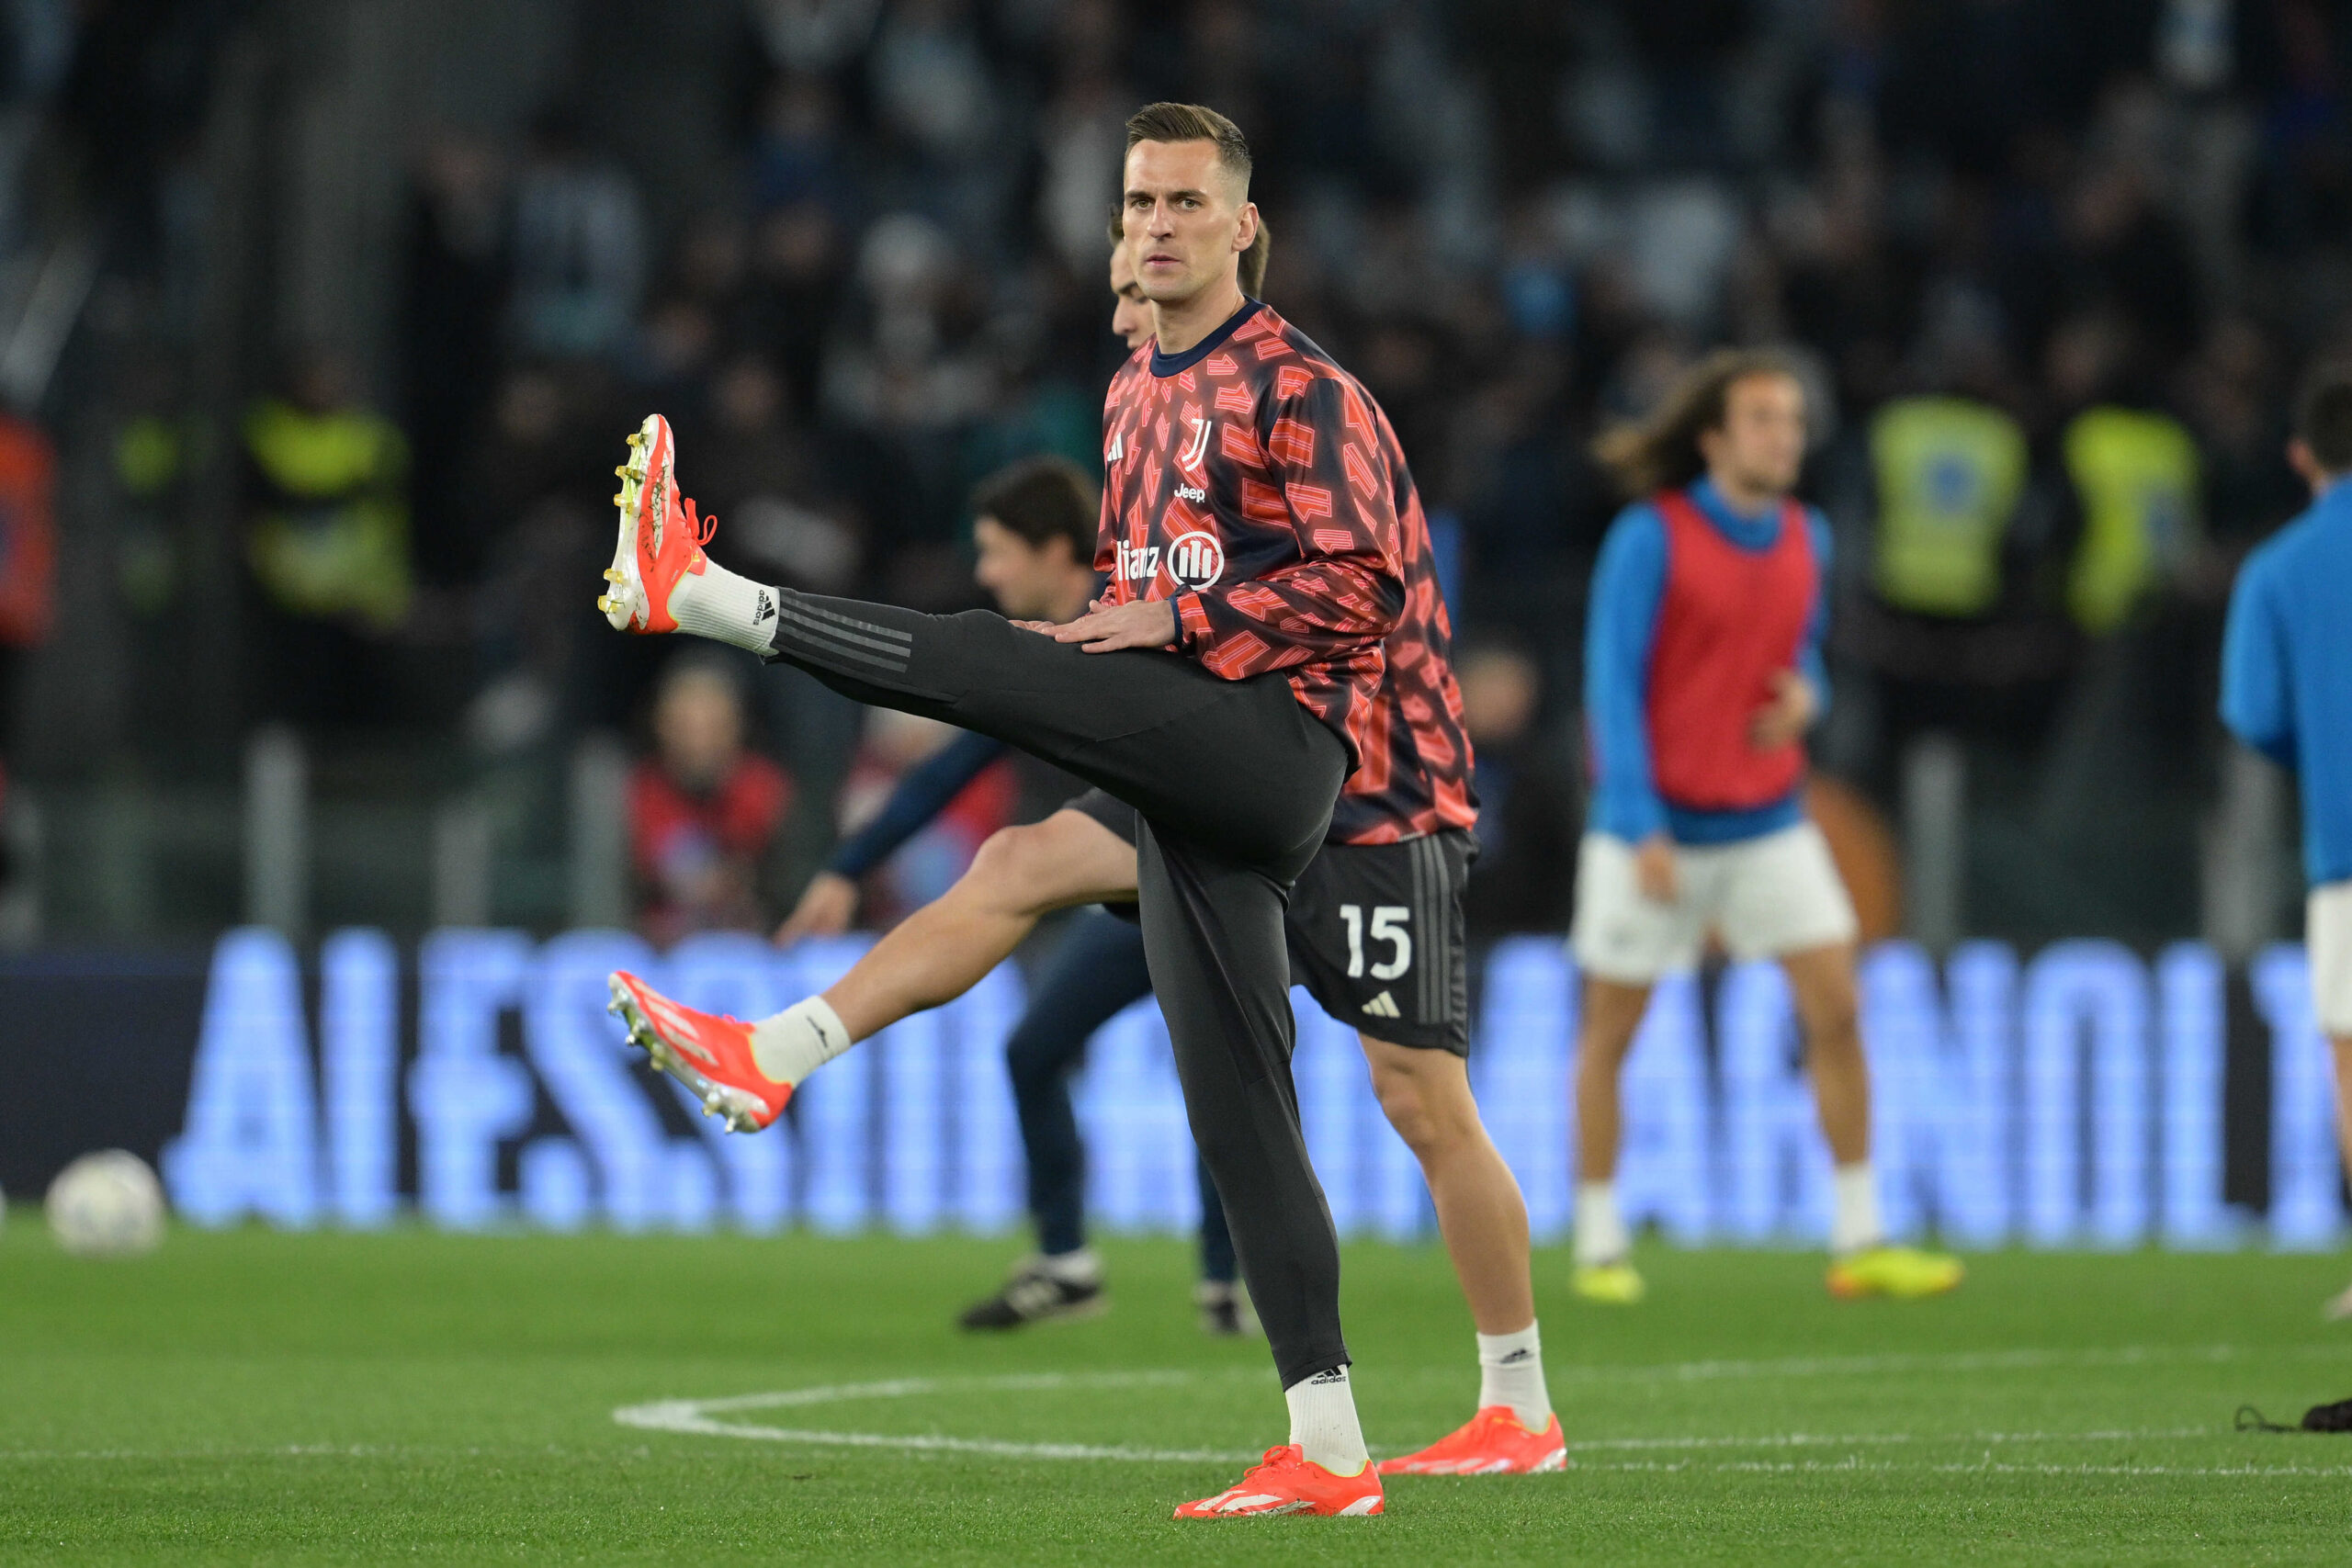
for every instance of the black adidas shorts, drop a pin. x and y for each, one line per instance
(1376, 932)
(1376, 937)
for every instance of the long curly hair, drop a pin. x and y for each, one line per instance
(1660, 451)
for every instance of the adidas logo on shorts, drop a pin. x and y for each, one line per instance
(1383, 1005)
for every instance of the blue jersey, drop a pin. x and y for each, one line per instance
(1621, 631)
(2287, 669)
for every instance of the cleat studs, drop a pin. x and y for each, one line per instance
(612, 574)
(635, 439)
(620, 501)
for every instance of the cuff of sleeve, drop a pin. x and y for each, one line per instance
(1192, 621)
(1633, 817)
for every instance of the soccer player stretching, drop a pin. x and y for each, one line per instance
(1224, 686)
(2286, 692)
(1703, 672)
(944, 948)
(1376, 934)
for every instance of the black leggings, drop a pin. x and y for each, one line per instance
(1234, 781)
(1098, 970)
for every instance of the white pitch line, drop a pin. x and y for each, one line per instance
(1870, 1439)
(1946, 1361)
(697, 1417)
(1786, 1467)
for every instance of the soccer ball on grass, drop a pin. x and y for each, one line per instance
(106, 1205)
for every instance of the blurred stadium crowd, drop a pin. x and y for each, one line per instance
(2054, 265)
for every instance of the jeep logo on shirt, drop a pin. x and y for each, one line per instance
(1191, 492)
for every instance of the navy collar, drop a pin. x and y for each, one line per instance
(1166, 364)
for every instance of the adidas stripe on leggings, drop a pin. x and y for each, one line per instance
(1234, 781)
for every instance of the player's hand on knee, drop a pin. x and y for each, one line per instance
(826, 908)
(1654, 868)
(1106, 628)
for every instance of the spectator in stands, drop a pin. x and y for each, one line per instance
(704, 810)
(579, 244)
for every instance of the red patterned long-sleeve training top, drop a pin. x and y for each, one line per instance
(1258, 486)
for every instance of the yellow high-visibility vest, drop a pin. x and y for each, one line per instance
(337, 543)
(1949, 471)
(2137, 477)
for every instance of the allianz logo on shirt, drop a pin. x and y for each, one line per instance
(1137, 563)
(1195, 560)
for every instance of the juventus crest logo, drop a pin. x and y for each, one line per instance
(1199, 446)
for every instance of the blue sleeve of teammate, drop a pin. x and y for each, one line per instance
(1620, 625)
(2256, 703)
(922, 795)
(1810, 664)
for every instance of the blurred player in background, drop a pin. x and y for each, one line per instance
(1702, 673)
(2286, 692)
(1374, 920)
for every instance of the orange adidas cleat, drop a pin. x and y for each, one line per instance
(1287, 1481)
(661, 535)
(1493, 1443)
(710, 1053)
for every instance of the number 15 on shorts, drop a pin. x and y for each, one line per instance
(1388, 921)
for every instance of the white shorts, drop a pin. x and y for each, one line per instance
(1766, 898)
(2327, 938)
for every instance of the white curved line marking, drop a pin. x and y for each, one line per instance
(695, 1417)
(698, 1418)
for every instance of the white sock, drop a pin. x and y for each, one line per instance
(1855, 1224)
(1083, 1267)
(1323, 1422)
(799, 1040)
(1600, 1233)
(1511, 1372)
(717, 603)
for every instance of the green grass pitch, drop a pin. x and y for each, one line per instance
(251, 1397)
